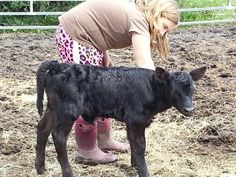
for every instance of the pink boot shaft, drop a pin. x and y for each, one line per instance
(85, 134)
(104, 124)
(105, 140)
(88, 151)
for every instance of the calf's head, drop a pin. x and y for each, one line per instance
(181, 88)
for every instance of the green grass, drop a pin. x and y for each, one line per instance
(205, 15)
(26, 20)
(38, 7)
(202, 3)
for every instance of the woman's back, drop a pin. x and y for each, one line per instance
(104, 24)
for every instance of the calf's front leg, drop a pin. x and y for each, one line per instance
(136, 137)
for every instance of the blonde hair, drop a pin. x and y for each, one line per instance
(154, 10)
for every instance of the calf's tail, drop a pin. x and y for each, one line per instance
(41, 78)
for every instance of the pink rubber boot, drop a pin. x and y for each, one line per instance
(105, 141)
(88, 151)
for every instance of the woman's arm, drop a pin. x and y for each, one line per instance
(107, 59)
(142, 51)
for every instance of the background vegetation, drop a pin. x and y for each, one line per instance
(60, 6)
(206, 15)
(23, 6)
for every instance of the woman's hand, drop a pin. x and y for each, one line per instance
(107, 59)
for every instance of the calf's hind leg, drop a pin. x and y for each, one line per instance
(44, 128)
(60, 136)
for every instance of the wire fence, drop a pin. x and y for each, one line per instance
(31, 12)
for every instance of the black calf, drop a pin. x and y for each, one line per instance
(130, 95)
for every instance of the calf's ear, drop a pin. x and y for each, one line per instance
(197, 74)
(161, 73)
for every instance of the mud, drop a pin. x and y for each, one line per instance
(210, 133)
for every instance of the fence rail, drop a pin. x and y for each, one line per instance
(31, 12)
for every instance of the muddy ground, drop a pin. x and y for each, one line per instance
(202, 145)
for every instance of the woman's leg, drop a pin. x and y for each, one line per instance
(105, 140)
(87, 146)
(88, 151)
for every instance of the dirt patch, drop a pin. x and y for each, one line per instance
(218, 135)
(203, 145)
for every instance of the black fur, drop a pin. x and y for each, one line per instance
(130, 95)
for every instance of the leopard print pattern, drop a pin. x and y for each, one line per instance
(71, 51)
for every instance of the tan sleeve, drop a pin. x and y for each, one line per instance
(139, 26)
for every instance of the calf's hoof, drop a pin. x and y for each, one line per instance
(67, 174)
(40, 169)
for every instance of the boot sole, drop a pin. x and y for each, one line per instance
(86, 161)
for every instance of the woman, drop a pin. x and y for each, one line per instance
(85, 35)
